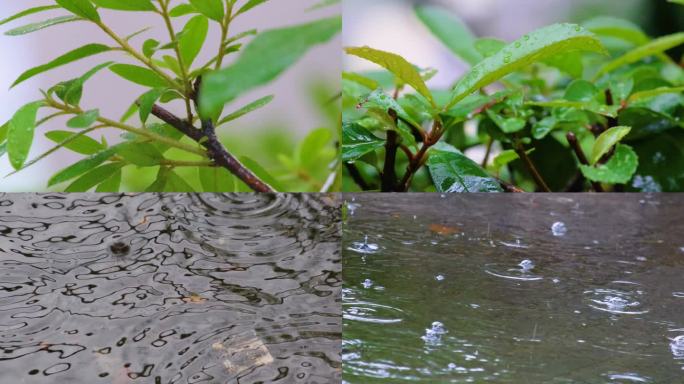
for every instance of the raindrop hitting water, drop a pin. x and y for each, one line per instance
(623, 299)
(433, 335)
(559, 229)
(364, 247)
(521, 271)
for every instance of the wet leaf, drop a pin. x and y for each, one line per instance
(140, 154)
(146, 102)
(253, 106)
(249, 5)
(618, 28)
(20, 133)
(396, 64)
(606, 141)
(82, 166)
(661, 161)
(489, 47)
(540, 44)
(452, 171)
(33, 27)
(618, 170)
(357, 141)
(580, 90)
(28, 12)
(111, 184)
(644, 122)
(81, 144)
(84, 120)
(126, 5)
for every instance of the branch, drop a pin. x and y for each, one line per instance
(572, 139)
(530, 167)
(216, 150)
(389, 175)
(356, 176)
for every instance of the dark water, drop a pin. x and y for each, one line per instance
(484, 288)
(171, 288)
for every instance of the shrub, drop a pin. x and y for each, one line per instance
(169, 71)
(568, 107)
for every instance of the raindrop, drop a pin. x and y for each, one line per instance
(677, 347)
(433, 335)
(559, 229)
(517, 44)
(364, 247)
(367, 283)
(439, 277)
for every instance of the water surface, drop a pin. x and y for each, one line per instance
(513, 288)
(169, 288)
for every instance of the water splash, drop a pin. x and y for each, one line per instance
(625, 299)
(559, 229)
(364, 247)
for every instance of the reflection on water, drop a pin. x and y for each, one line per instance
(514, 289)
(171, 288)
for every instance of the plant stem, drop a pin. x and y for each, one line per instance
(490, 143)
(130, 50)
(572, 139)
(215, 149)
(356, 176)
(141, 132)
(431, 139)
(183, 163)
(225, 26)
(184, 70)
(530, 167)
(389, 175)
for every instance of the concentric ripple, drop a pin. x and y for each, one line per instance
(169, 288)
(626, 298)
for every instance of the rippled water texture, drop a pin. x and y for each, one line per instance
(514, 289)
(171, 288)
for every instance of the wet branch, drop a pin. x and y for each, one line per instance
(356, 176)
(216, 151)
(531, 168)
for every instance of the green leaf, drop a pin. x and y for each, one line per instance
(20, 133)
(680, 2)
(76, 54)
(396, 64)
(661, 161)
(644, 122)
(310, 149)
(25, 29)
(175, 183)
(83, 8)
(192, 39)
(617, 28)
(71, 91)
(618, 170)
(139, 75)
(140, 154)
(112, 184)
(3, 131)
(606, 141)
(146, 102)
(84, 120)
(161, 180)
(253, 106)
(505, 157)
(27, 12)
(452, 31)
(264, 59)
(654, 47)
(580, 90)
(538, 45)
(3, 149)
(150, 47)
(358, 141)
(212, 9)
(94, 177)
(454, 172)
(182, 10)
(126, 5)
(590, 106)
(216, 179)
(655, 92)
(249, 5)
(82, 166)
(543, 127)
(80, 144)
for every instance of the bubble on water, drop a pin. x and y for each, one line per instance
(365, 247)
(559, 229)
(526, 265)
(439, 277)
(677, 347)
(625, 299)
(367, 283)
(521, 271)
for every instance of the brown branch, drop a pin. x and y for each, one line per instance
(356, 176)
(520, 150)
(389, 174)
(572, 139)
(414, 165)
(217, 152)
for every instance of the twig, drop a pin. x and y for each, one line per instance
(572, 139)
(530, 167)
(389, 175)
(490, 143)
(216, 150)
(356, 176)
